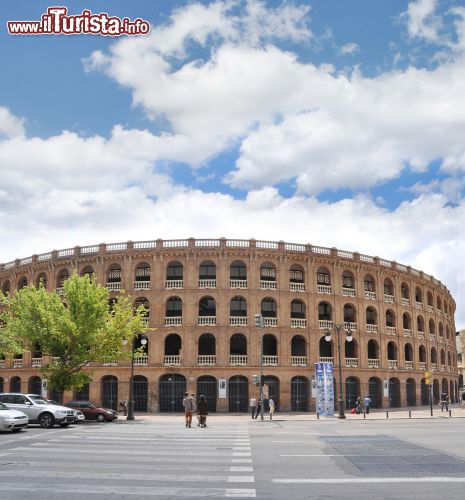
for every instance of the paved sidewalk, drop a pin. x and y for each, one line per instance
(422, 412)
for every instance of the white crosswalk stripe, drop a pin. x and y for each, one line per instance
(150, 460)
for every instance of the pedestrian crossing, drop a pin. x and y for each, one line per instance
(148, 459)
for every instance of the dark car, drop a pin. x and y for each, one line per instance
(92, 411)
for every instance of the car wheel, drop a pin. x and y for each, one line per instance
(100, 417)
(16, 430)
(46, 420)
(65, 424)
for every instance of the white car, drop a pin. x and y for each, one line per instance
(12, 420)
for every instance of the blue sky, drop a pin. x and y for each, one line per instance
(337, 122)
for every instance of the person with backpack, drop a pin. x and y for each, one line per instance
(367, 403)
(188, 404)
(202, 411)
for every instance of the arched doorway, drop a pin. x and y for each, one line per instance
(110, 392)
(436, 391)
(208, 386)
(15, 384)
(299, 394)
(352, 391)
(424, 392)
(141, 392)
(238, 394)
(34, 385)
(394, 392)
(410, 388)
(375, 392)
(82, 394)
(2, 384)
(171, 390)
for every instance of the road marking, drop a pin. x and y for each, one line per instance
(369, 480)
(129, 491)
(241, 479)
(242, 454)
(240, 469)
(241, 460)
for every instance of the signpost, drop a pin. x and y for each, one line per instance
(429, 382)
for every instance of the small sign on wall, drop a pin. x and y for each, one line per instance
(44, 388)
(386, 388)
(222, 388)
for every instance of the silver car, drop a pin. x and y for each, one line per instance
(12, 420)
(38, 409)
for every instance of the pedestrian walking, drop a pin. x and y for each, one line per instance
(188, 404)
(444, 401)
(253, 406)
(194, 404)
(123, 407)
(463, 399)
(259, 408)
(357, 405)
(271, 407)
(202, 411)
(367, 403)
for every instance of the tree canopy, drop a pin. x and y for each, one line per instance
(77, 326)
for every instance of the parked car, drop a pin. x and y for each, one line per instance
(12, 420)
(93, 411)
(78, 416)
(38, 409)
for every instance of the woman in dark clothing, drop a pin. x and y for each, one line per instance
(202, 411)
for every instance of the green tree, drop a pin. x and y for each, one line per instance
(76, 327)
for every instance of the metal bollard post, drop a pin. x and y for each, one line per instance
(317, 416)
(387, 414)
(450, 413)
(364, 415)
(410, 414)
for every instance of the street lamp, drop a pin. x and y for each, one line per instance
(338, 328)
(260, 323)
(143, 342)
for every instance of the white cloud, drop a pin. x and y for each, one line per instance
(422, 21)
(11, 126)
(349, 48)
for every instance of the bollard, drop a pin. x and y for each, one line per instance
(410, 414)
(387, 414)
(317, 416)
(364, 415)
(450, 413)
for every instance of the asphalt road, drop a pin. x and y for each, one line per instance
(237, 458)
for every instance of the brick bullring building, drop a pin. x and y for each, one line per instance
(201, 297)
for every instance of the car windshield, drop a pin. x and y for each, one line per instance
(3, 407)
(39, 400)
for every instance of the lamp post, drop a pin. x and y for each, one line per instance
(338, 328)
(143, 342)
(260, 323)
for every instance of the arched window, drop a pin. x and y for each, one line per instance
(406, 321)
(238, 308)
(6, 287)
(438, 303)
(142, 277)
(207, 345)
(298, 348)
(388, 291)
(173, 345)
(390, 318)
(420, 324)
(174, 275)
(349, 314)
(63, 275)
(207, 274)
(429, 298)
(207, 308)
(269, 308)
(441, 330)
(326, 350)
(408, 352)
(422, 354)
(270, 345)
(143, 303)
(434, 355)
(443, 357)
(238, 275)
(238, 347)
(373, 351)
(114, 278)
(22, 282)
(174, 307)
(87, 271)
(392, 351)
(297, 278)
(323, 280)
(41, 280)
(351, 354)
(297, 309)
(369, 287)
(405, 294)
(348, 284)
(371, 316)
(324, 311)
(432, 328)
(268, 276)
(418, 295)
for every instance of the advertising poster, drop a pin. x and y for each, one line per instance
(325, 389)
(222, 388)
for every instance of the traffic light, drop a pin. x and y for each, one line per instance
(259, 321)
(428, 378)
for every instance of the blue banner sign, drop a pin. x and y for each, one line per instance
(325, 389)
